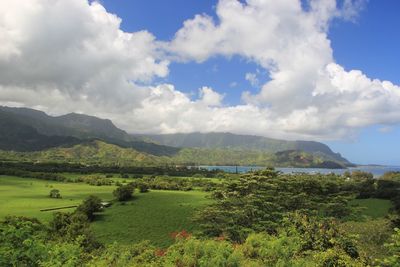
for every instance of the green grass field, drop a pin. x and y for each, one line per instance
(150, 216)
(373, 207)
(26, 197)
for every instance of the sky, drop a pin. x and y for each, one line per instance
(320, 70)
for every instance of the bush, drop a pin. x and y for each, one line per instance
(143, 188)
(25, 242)
(71, 227)
(91, 205)
(393, 246)
(123, 193)
(55, 193)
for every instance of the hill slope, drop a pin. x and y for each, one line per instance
(76, 125)
(18, 136)
(100, 153)
(243, 142)
(90, 153)
(26, 129)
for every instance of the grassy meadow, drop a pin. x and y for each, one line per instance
(26, 196)
(149, 216)
(372, 207)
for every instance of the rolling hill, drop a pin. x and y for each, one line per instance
(94, 152)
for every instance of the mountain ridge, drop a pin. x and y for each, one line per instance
(99, 153)
(25, 129)
(242, 142)
(69, 129)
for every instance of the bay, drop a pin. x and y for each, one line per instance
(374, 169)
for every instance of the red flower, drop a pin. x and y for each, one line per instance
(180, 235)
(160, 252)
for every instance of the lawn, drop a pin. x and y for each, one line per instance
(150, 216)
(26, 197)
(373, 207)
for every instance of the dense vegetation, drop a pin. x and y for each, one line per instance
(97, 152)
(262, 218)
(243, 143)
(54, 170)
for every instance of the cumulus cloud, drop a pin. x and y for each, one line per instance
(308, 93)
(71, 55)
(76, 49)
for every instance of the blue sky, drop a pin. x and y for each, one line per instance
(370, 43)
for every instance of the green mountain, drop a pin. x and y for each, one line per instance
(18, 136)
(76, 125)
(30, 130)
(244, 143)
(54, 138)
(229, 157)
(96, 152)
(92, 152)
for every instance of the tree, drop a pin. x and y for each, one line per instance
(25, 242)
(258, 201)
(393, 246)
(55, 193)
(123, 193)
(143, 188)
(367, 188)
(72, 227)
(91, 205)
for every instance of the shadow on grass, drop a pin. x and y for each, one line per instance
(99, 217)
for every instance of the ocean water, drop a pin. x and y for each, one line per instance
(375, 170)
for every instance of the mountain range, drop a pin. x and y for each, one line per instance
(38, 136)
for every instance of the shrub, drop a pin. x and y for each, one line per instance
(91, 205)
(55, 193)
(143, 188)
(123, 193)
(393, 246)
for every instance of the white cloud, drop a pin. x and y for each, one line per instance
(68, 55)
(209, 97)
(252, 79)
(308, 94)
(75, 48)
